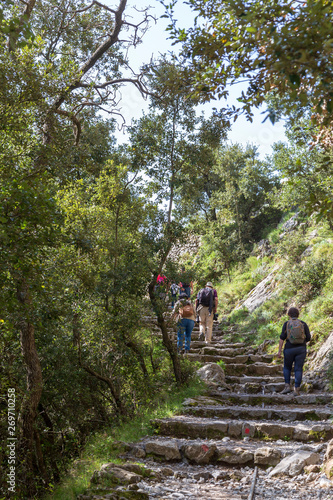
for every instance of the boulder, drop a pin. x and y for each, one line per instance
(211, 372)
(293, 465)
(267, 456)
(167, 449)
(328, 460)
(235, 428)
(115, 475)
(200, 453)
(234, 456)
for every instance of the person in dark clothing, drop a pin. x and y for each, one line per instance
(296, 334)
(186, 283)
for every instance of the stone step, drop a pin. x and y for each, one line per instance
(219, 350)
(288, 413)
(323, 398)
(216, 347)
(243, 359)
(232, 379)
(206, 428)
(219, 345)
(256, 369)
(255, 388)
(219, 452)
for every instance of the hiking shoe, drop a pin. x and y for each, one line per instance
(297, 391)
(286, 389)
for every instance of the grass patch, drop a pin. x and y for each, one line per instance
(104, 446)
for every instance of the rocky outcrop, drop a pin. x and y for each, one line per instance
(295, 463)
(262, 292)
(321, 360)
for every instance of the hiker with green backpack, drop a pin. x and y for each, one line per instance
(296, 334)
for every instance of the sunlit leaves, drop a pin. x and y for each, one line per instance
(276, 46)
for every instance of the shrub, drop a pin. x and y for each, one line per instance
(238, 315)
(292, 245)
(313, 275)
(221, 363)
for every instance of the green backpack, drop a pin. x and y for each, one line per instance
(295, 331)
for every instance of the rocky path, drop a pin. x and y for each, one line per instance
(241, 428)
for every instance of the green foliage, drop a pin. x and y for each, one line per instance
(307, 173)
(174, 147)
(237, 40)
(238, 315)
(292, 245)
(313, 275)
(221, 363)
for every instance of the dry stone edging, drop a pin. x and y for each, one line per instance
(210, 450)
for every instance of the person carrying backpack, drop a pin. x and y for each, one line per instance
(174, 289)
(206, 304)
(186, 283)
(296, 333)
(184, 311)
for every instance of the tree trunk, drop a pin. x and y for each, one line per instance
(33, 394)
(50, 439)
(165, 336)
(40, 459)
(136, 350)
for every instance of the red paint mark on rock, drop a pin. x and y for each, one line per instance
(247, 430)
(205, 448)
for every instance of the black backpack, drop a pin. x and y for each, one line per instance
(205, 296)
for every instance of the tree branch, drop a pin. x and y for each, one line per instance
(94, 2)
(138, 84)
(101, 50)
(76, 123)
(13, 37)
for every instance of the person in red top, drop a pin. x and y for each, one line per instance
(161, 286)
(161, 279)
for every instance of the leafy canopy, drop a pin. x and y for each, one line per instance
(283, 46)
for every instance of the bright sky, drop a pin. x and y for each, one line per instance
(155, 42)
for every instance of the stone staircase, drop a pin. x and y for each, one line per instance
(240, 429)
